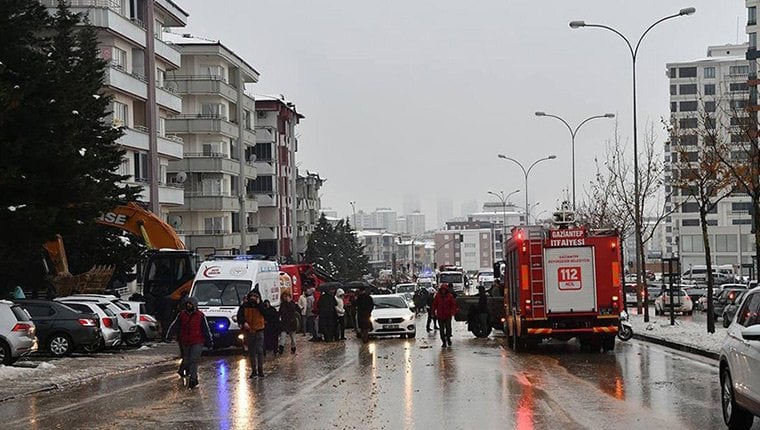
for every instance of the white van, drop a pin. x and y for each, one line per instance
(220, 285)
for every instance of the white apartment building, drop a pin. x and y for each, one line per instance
(415, 223)
(217, 127)
(308, 208)
(472, 249)
(384, 219)
(131, 37)
(715, 85)
(378, 247)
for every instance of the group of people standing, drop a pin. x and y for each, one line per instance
(325, 318)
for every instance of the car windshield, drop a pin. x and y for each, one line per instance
(630, 289)
(486, 274)
(384, 302)
(405, 288)
(450, 278)
(220, 292)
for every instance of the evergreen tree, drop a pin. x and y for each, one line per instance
(57, 173)
(337, 251)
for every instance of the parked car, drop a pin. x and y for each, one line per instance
(407, 292)
(681, 302)
(17, 333)
(729, 311)
(654, 291)
(392, 316)
(724, 298)
(61, 329)
(147, 324)
(126, 318)
(739, 356)
(696, 292)
(630, 294)
(109, 326)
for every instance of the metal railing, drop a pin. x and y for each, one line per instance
(197, 78)
(196, 193)
(200, 116)
(205, 232)
(204, 155)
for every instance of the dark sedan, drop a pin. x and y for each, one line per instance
(61, 329)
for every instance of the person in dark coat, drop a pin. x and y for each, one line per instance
(430, 313)
(444, 308)
(272, 327)
(290, 314)
(364, 307)
(327, 315)
(482, 309)
(192, 332)
(418, 300)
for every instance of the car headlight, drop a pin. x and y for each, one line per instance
(234, 318)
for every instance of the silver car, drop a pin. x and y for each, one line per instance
(126, 318)
(17, 333)
(147, 324)
(109, 328)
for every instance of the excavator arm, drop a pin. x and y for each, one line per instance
(153, 230)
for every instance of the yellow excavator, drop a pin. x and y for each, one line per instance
(167, 274)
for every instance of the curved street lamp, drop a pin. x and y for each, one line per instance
(573, 133)
(526, 172)
(634, 51)
(503, 199)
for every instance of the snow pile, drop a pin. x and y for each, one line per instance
(684, 332)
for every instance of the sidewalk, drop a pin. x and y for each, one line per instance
(686, 335)
(44, 373)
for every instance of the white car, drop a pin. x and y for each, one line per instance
(147, 324)
(17, 333)
(406, 291)
(126, 318)
(682, 303)
(392, 316)
(109, 326)
(739, 361)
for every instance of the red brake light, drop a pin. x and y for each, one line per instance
(22, 327)
(107, 322)
(147, 318)
(127, 315)
(87, 322)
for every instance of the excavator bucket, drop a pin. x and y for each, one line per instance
(94, 281)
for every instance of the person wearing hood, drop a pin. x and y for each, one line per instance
(327, 314)
(340, 311)
(289, 315)
(444, 308)
(192, 332)
(250, 317)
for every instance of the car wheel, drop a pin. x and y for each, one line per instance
(6, 358)
(734, 416)
(95, 347)
(134, 339)
(60, 345)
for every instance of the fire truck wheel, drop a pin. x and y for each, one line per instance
(608, 343)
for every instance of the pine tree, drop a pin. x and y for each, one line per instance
(337, 251)
(57, 173)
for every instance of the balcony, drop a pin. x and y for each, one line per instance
(168, 52)
(202, 123)
(171, 194)
(205, 85)
(106, 14)
(176, 16)
(210, 201)
(131, 83)
(207, 163)
(264, 168)
(170, 145)
(268, 233)
(251, 205)
(211, 239)
(169, 99)
(135, 138)
(264, 199)
(249, 136)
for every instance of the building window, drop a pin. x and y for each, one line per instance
(684, 123)
(752, 15)
(120, 112)
(687, 89)
(744, 207)
(141, 166)
(690, 223)
(687, 72)
(247, 120)
(262, 184)
(214, 110)
(214, 72)
(753, 40)
(124, 167)
(118, 58)
(673, 90)
(738, 86)
(709, 106)
(688, 106)
(673, 73)
(739, 104)
(738, 70)
(688, 140)
(709, 89)
(741, 222)
(709, 72)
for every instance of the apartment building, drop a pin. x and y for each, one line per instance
(415, 223)
(275, 187)
(309, 208)
(472, 249)
(715, 87)
(131, 36)
(216, 126)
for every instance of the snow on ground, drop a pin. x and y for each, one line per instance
(44, 372)
(684, 332)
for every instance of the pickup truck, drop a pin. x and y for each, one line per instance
(468, 306)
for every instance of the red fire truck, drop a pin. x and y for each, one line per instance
(562, 282)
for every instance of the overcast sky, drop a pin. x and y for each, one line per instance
(419, 96)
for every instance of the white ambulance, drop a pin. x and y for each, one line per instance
(220, 286)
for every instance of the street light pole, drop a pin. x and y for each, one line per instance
(637, 216)
(503, 199)
(526, 172)
(353, 206)
(573, 133)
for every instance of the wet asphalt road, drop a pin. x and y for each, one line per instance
(399, 384)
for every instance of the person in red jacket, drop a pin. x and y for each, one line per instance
(444, 308)
(192, 332)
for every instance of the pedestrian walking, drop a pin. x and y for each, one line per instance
(271, 328)
(327, 315)
(289, 316)
(418, 300)
(340, 315)
(444, 308)
(430, 313)
(250, 317)
(364, 307)
(482, 309)
(311, 316)
(192, 332)
(303, 304)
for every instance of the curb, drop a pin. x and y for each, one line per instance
(164, 362)
(677, 346)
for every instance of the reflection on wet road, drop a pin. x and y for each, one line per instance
(401, 384)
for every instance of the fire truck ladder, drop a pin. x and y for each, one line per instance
(536, 258)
